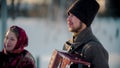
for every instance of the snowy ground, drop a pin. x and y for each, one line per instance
(46, 35)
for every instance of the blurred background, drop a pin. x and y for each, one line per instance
(45, 24)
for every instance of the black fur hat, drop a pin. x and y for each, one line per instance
(85, 10)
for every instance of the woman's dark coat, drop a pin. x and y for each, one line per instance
(19, 60)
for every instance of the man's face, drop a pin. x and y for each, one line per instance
(74, 24)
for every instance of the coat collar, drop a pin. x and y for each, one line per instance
(84, 36)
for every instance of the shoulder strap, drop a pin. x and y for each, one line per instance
(84, 49)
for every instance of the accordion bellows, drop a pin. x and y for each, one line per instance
(62, 59)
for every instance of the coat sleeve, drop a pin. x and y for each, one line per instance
(98, 56)
(1, 59)
(27, 62)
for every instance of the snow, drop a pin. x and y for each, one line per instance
(46, 35)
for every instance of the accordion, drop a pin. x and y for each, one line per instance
(62, 59)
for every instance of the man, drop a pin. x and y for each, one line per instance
(86, 46)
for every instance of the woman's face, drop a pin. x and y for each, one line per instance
(10, 41)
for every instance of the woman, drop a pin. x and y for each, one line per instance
(14, 55)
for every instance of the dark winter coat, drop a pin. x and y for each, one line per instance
(20, 60)
(90, 49)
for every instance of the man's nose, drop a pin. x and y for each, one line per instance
(68, 18)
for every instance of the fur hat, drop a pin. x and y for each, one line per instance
(85, 10)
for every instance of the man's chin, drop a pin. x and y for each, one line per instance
(71, 30)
